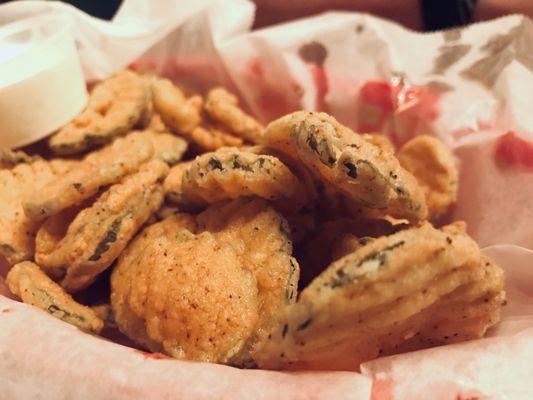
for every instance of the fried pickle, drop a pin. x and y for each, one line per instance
(343, 159)
(30, 283)
(406, 291)
(210, 138)
(223, 107)
(10, 158)
(207, 288)
(435, 169)
(18, 231)
(230, 173)
(167, 147)
(114, 107)
(183, 293)
(379, 140)
(98, 169)
(99, 233)
(173, 182)
(179, 113)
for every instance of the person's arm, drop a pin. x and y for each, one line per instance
(489, 9)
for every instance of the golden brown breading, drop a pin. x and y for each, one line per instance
(206, 289)
(434, 166)
(99, 233)
(167, 147)
(343, 159)
(210, 138)
(261, 238)
(30, 283)
(114, 107)
(183, 293)
(223, 107)
(10, 158)
(379, 140)
(18, 231)
(173, 181)
(401, 292)
(97, 170)
(230, 173)
(180, 114)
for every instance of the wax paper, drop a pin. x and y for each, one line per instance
(472, 87)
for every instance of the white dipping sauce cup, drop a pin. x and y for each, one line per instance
(41, 81)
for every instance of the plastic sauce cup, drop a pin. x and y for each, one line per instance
(41, 82)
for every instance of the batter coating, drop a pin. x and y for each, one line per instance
(10, 158)
(179, 113)
(223, 107)
(167, 147)
(435, 169)
(98, 169)
(18, 231)
(230, 173)
(343, 159)
(114, 107)
(30, 283)
(206, 288)
(401, 292)
(99, 233)
(210, 138)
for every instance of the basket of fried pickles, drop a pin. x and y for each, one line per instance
(299, 245)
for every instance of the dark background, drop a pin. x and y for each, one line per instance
(99, 8)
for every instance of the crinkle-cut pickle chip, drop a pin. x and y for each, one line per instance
(210, 138)
(179, 113)
(18, 231)
(435, 169)
(206, 288)
(342, 159)
(97, 170)
(172, 183)
(403, 292)
(99, 233)
(230, 173)
(115, 106)
(223, 107)
(34, 287)
(167, 147)
(9, 158)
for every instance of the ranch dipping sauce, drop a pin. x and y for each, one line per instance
(41, 81)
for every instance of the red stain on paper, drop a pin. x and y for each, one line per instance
(382, 107)
(154, 356)
(320, 80)
(6, 310)
(382, 389)
(513, 151)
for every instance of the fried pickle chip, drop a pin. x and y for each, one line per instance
(381, 141)
(30, 283)
(179, 113)
(10, 158)
(205, 289)
(167, 147)
(223, 107)
(433, 165)
(18, 231)
(99, 233)
(230, 173)
(184, 294)
(415, 288)
(98, 169)
(173, 181)
(114, 107)
(210, 138)
(343, 159)
(261, 238)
